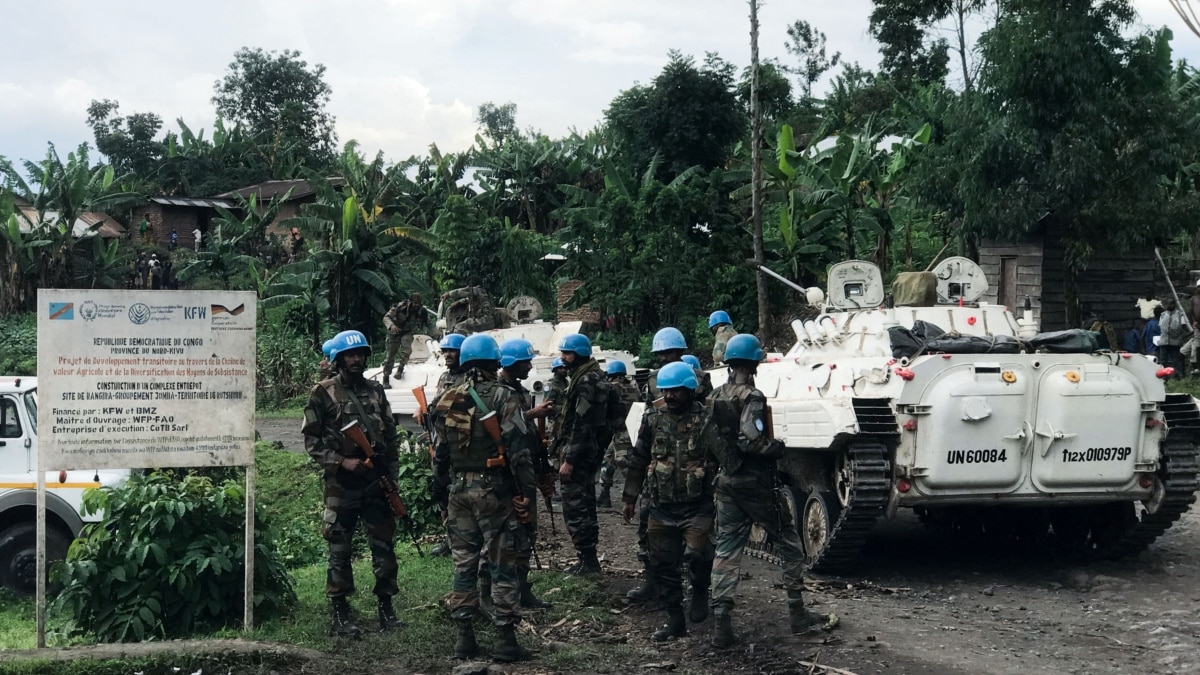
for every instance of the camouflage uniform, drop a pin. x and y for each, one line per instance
(583, 430)
(556, 393)
(349, 497)
(478, 499)
(471, 310)
(746, 491)
(617, 454)
(721, 338)
(702, 377)
(675, 459)
(401, 322)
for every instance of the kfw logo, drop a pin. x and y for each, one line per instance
(195, 312)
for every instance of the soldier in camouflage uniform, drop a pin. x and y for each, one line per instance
(487, 507)
(617, 454)
(583, 430)
(450, 377)
(470, 310)
(401, 322)
(556, 394)
(516, 360)
(722, 329)
(676, 460)
(747, 492)
(668, 346)
(352, 490)
(325, 369)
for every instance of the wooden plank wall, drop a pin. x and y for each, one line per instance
(1029, 272)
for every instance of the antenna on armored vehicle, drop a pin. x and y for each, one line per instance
(812, 294)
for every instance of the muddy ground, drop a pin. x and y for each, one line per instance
(922, 602)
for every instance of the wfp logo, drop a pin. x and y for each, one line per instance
(139, 313)
(195, 312)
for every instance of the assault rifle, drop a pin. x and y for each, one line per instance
(354, 433)
(545, 479)
(426, 422)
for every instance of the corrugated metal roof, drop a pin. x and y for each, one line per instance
(189, 201)
(109, 228)
(277, 188)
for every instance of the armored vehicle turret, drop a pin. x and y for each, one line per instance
(954, 408)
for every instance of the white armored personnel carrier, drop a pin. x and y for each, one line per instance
(961, 412)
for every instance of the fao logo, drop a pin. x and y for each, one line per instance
(88, 310)
(139, 313)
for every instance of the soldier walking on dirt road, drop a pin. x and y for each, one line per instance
(746, 492)
(675, 459)
(352, 489)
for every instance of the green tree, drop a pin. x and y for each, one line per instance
(498, 122)
(688, 115)
(908, 55)
(282, 102)
(129, 142)
(808, 45)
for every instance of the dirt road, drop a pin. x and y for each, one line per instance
(923, 602)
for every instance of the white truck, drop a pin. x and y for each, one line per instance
(18, 491)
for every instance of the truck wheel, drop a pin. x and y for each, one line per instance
(18, 556)
(816, 522)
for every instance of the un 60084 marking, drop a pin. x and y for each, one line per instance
(1097, 455)
(984, 456)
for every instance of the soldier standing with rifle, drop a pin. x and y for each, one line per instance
(556, 394)
(583, 430)
(516, 360)
(483, 480)
(617, 454)
(747, 493)
(675, 459)
(401, 322)
(353, 488)
(450, 377)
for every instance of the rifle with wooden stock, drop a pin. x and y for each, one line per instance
(354, 433)
(426, 422)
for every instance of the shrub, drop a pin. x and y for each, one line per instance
(167, 557)
(415, 478)
(287, 366)
(18, 344)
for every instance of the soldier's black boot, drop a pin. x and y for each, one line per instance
(342, 623)
(604, 499)
(722, 637)
(387, 615)
(698, 612)
(804, 620)
(466, 647)
(507, 648)
(588, 564)
(386, 383)
(645, 592)
(676, 626)
(528, 599)
(442, 549)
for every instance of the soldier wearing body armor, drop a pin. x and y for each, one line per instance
(747, 492)
(485, 484)
(556, 394)
(470, 310)
(450, 377)
(617, 454)
(675, 459)
(402, 322)
(583, 431)
(722, 329)
(352, 490)
(668, 346)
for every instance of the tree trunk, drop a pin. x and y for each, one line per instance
(756, 180)
(961, 29)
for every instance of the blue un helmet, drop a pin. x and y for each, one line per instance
(578, 343)
(666, 339)
(452, 341)
(557, 363)
(744, 347)
(615, 368)
(677, 374)
(345, 341)
(718, 317)
(515, 350)
(478, 347)
(325, 348)
(692, 361)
